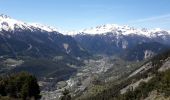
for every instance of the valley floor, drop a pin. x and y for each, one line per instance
(103, 68)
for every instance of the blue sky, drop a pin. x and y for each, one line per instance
(79, 14)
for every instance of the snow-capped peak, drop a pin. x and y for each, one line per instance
(114, 28)
(121, 30)
(101, 29)
(9, 24)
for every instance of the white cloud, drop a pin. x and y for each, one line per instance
(157, 19)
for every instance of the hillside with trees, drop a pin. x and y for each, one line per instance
(155, 80)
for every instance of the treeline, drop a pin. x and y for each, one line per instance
(18, 86)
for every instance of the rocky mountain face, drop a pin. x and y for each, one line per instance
(117, 40)
(145, 51)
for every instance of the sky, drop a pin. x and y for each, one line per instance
(79, 14)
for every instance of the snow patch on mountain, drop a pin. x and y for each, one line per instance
(70, 32)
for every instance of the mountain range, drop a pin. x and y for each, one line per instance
(41, 45)
(117, 40)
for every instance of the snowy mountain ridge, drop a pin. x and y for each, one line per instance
(9, 24)
(124, 30)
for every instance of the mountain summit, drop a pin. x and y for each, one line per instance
(9, 24)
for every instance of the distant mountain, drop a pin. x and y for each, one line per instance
(9, 24)
(20, 38)
(116, 40)
(43, 50)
